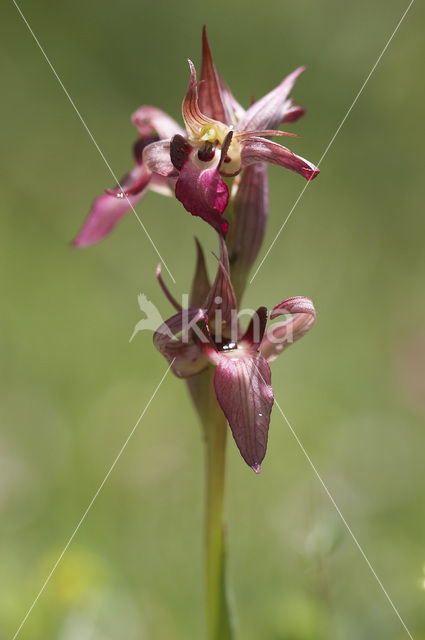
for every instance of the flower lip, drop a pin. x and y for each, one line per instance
(202, 190)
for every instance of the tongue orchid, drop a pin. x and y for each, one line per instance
(210, 334)
(222, 139)
(196, 164)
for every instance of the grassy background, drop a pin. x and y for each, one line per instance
(73, 386)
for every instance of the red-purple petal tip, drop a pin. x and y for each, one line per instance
(310, 173)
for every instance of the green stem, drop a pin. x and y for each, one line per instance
(215, 427)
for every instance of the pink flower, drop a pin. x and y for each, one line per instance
(219, 141)
(209, 333)
(222, 139)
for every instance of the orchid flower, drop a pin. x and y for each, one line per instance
(222, 139)
(152, 124)
(209, 333)
(219, 141)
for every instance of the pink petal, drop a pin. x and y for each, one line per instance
(255, 332)
(140, 144)
(156, 157)
(268, 112)
(231, 104)
(193, 117)
(166, 290)
(132, 184)
(221, 301)
(163, 185)
(203, 193)
(200, 284)
(293, 112)
(108, 209)
(283, 334)
(247, 135)
(209, 93)
(242, 385)
(185, 355)
(246, 233)
(148, 119)
(260, 149)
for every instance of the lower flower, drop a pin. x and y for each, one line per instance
(209, 333)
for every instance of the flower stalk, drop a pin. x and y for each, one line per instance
(219, 625)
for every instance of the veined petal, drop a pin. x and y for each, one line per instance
(254, 334)
(140, 145)
(267, 113)
(209, 92)
(242, 385)
(220, 304)
(203, 192)
(232, 105)
(246, 233)
(260, 149)
(156, 157)
(246, 135)
(166, 290)
(132, 184)
(200, 283)
(108, 209)
(164, 185)
(148, 119)
(293, 112)
(185, 355)
(282, 334)
(196, 122)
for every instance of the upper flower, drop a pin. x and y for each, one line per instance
(209, 332)
(220, 139)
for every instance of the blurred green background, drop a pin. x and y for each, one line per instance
(73, 386)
